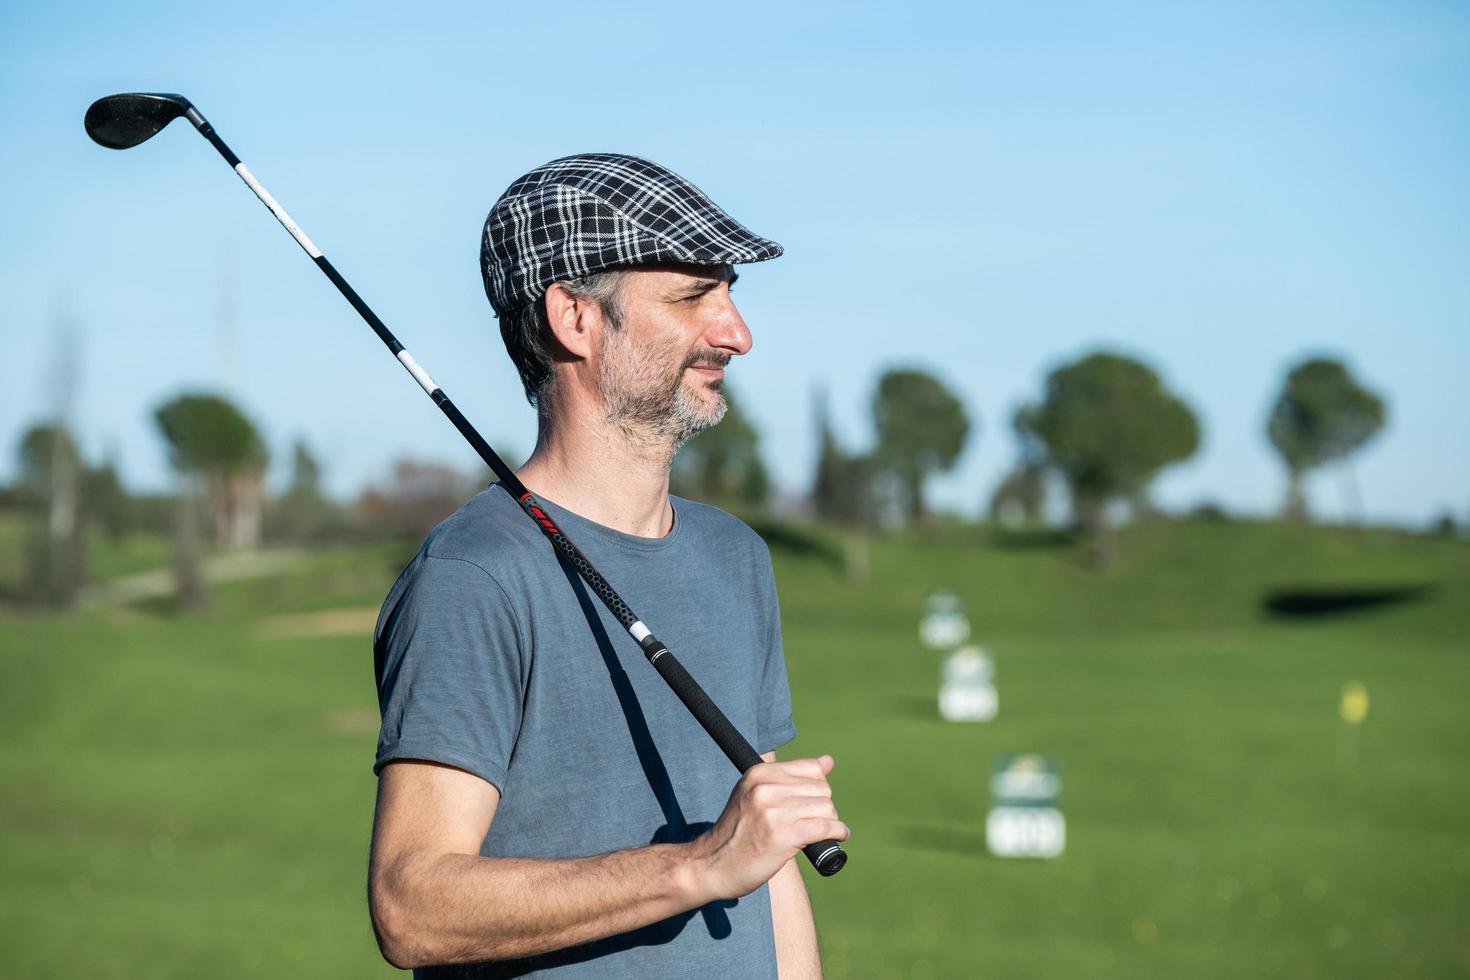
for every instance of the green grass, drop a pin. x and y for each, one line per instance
(135, 552)
(184, 798)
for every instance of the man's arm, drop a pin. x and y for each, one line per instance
(797, 957)
(434, 899)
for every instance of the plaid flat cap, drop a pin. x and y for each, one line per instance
(580, 214)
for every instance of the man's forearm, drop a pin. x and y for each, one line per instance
(461, 908)
(797, 957)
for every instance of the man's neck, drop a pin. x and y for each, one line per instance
(609, 475)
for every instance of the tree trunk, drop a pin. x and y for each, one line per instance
(855, 556)
(63, 525)
(236, 501)
(187, 571)
(1033, 493)
(1352, 491)
(1295, 510)
(917, 513)
(1092, 520)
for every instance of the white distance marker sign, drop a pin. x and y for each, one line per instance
(944, 625)
(967, 690)
(1024, 820)
(1025, 831)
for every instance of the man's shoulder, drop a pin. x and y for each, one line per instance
(490, 531)
(717, 528)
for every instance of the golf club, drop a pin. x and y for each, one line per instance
(125, 120)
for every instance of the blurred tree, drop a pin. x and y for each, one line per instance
(417, 497)
(51, 477)
(214, 448)
(722, 464)
(304, 513)
(1322, 415)
(921, 430)
(107, 500)
(208, 434)
(1020, 498)
(44, 448)
(306, 473)
(840, 493)
(1109, 425)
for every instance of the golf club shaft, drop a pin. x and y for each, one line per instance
(827, 856)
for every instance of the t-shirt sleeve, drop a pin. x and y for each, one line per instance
(776, 725)
(449, 665)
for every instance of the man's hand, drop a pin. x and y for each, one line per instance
(776, 809)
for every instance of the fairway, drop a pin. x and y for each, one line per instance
(193, 797)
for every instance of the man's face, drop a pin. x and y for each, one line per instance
(662, 371)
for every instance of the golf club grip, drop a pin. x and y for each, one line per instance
(827, 856)
(705, 711)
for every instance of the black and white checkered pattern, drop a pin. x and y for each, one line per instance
(580, 214)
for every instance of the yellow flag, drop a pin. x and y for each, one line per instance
(1354, 706)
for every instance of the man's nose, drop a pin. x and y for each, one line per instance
(728, 332)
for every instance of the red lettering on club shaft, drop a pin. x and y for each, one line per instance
(539, 514)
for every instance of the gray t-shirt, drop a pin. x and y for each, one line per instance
(493, 657)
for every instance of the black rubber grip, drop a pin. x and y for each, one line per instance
(827, 856)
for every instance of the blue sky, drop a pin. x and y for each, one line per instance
(984, 190)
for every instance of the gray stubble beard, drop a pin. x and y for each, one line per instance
(651, 411)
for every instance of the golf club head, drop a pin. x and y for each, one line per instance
(121, 121)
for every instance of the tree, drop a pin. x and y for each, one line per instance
(107, 500)
(723, 464)
(1109, 425)
(842, 490)
(306, 473)
(1322, 415)
(303, 512)
(417, 496)
(921, 430)
(1023, 489)
(51, 476)
(843, 493)
(214, 448)
(208, 434)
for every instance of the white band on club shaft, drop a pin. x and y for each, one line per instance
(419, 374)
(278, 211)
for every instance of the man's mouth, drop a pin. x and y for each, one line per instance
(711, 365)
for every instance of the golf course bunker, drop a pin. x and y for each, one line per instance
(1309, 602)
(328, 622)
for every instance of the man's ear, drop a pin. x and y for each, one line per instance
(572, 320)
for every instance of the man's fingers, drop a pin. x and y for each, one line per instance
(814, 829)
(777, 788)
(817, 768)
(811, 806)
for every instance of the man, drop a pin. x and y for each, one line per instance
(546, 806)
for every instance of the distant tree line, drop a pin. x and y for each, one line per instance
(1103, 427)
(218, 505)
